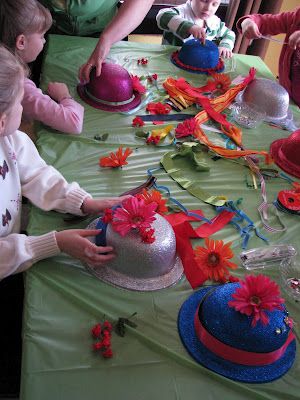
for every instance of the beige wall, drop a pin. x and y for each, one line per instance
(273, 52)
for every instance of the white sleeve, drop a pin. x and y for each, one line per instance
(19, 252)
(42, 184)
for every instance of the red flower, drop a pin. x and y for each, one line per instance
(147, 235)
(158, 108)
(137, 121)
(153, 139)
(154, 196)
(117, 159)
(214, 260)
(107, 353)
(107, 325)
(257, 294)
(106, 341)
(137, 86)
(186, 128)
(134, 214)
(96, 331)
(107, 217)
(97, 346)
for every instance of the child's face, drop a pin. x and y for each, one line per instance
(204, 9)
(33, 45)
(10, 121)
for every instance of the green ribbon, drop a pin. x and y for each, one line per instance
(191, 151)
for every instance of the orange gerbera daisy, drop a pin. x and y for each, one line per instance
(117, 159)
(222, 81)
(214, 259)
(154, 196)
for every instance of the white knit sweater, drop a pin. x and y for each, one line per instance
(24, 173)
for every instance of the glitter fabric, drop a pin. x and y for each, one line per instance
(285, 152)
(269, 97)
(111, 91)
(234, 329)
(141, 266)
(198, 58)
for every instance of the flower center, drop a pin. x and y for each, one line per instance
(136, 219)
(213, 259)
(255, 300)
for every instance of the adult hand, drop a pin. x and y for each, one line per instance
(96, 59)
(94, 206)
(198, 32)
(75, 242)
(294, 40)
(225, 52)
(250, 29)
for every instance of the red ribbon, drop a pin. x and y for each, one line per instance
(234, 355)
(184, 231)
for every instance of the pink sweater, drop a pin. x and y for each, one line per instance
(66, 116)
(269, 24)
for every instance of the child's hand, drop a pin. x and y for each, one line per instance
(250, 29)
(294, 40)
(58, 91)
(75, 243)
(224, 52)
(94, 206)
(198, 32)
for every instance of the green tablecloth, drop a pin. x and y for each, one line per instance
(63, 301)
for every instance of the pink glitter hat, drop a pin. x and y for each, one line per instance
(285, 152)
(111, 91)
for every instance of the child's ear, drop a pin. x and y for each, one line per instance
(2, 123)
(20, 42)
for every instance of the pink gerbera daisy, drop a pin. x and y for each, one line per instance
(257, 294)
(134, 214)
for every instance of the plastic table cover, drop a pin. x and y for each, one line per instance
(63, 301)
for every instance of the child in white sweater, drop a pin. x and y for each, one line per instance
(24, 173)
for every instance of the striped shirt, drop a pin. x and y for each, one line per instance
(176, 22)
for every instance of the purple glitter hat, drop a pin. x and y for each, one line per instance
(111, 91)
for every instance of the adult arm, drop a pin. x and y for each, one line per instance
(128, 17)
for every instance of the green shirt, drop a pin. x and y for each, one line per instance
(81, 17)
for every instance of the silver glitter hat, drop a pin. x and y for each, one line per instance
(140, 266)
(270, 97)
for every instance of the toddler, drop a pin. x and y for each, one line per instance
(253, 26)
(24, 173)
(23, 24)
(195, 18)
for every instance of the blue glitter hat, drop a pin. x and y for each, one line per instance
(208, 327)
(198, 58)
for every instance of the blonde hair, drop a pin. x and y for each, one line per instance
(19, 17)
(12, 73)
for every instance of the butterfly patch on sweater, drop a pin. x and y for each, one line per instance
(6, 218)
(4, 170)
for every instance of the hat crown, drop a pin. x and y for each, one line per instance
(199, 55)
(291, 148)
(277, 104)
(234, 329)
(113, 85)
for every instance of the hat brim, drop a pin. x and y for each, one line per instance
(81, 89)
(274, 151)
(175, 60)
(115, 278)
(236, 372)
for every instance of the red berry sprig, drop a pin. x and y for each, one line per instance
(102, 333)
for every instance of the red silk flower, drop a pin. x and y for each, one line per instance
(154, 196)
(186, 128)
(137, 121)
(256, 295)
(158, 108)
(136, 85)
(117, 159)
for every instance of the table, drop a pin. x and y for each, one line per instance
(63, 301)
